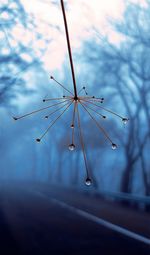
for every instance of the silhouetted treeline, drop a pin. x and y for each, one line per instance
(121, 71)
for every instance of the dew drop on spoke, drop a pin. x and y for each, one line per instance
(114, 146)
(71, 147)
(88, 181)
(125, 120)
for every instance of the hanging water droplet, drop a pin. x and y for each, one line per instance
(88, 181)
(38, 140)
(114, 146)
(72, 126)
(104, 117)
(51, 77)
(46, 117)
(125, 120)
(71, 147)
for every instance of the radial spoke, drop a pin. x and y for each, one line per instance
(83, 89)
(103, 116)
(93, 99)
(61, 85)
(82, 144)
(52, 123)
(103, 108)
(59, 98)
(97, 100)
(73, 121)
(98, 125)
(39, 110)
(51, 113)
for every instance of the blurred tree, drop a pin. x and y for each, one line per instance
(16, 56)
(122, 70)
(22, 44)
(136, 57)
(20, 48)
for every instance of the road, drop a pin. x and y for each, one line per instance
(44, 221)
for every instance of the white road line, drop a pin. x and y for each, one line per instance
(100, 221)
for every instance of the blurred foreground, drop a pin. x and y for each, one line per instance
(43, 219)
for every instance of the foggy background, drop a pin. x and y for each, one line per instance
(111, 52)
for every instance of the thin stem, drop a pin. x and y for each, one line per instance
(41, 109)
(105, 109)
(62, 85)
(98, 125)
(39, 139)
(82, 143)
(69, 49)
(47, 116)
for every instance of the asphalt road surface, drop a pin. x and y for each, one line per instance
(44, 221)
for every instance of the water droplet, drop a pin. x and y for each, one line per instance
(125, 120)
(93, 96)
(104, 117)
(71, 147)
(72, 126)
(88, 181)
(38, 140)
(44, 100)
(15, 118)
(102, 98)
(114, 146)
(46, 117)
(51, 77)
(64, 96)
